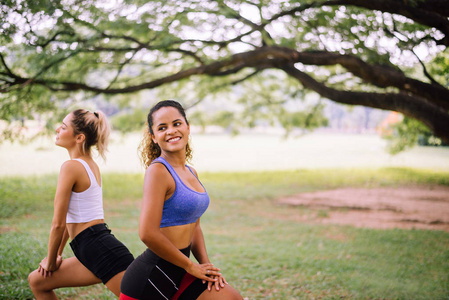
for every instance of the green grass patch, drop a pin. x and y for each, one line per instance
(263, 249)
(256, 185)
(19, 196)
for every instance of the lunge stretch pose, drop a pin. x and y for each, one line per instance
(78, 214)
(173, 202)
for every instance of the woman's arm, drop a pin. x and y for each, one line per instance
(157, 185)
(64, 240)
(58, 237)
(199, 245)
(200, 253)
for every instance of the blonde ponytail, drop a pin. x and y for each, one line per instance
(103, 132)
(95, 127)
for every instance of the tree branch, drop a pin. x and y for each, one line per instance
(381, 76)
(431, 115)
(293, 11)
(53, 38)
(425, 71)
(8, 70)
(235, 82)
(429, 13)
(120, 69)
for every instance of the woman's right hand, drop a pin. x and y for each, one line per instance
(46, 269)
(205, 271)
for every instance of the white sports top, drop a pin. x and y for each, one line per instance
(87, 205)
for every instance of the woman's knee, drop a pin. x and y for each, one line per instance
(226, 293)
(35, 280)
(233, 293)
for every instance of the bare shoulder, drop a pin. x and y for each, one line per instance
(68, 175)
(157, 171)
(156, 168)
(158, 178)
(194, 171)
(71, 168)
(71, 165)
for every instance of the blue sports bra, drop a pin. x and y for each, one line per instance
(185, 206)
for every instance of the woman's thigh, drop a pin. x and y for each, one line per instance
(114, 283)
(71, 273)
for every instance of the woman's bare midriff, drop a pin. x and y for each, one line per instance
(181, 235)
(75, 228)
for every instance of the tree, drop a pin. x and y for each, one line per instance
(379, 54)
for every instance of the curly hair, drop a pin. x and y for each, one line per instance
(149, 150)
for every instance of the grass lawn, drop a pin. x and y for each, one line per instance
(262, 248)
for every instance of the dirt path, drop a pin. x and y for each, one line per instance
(421, 207)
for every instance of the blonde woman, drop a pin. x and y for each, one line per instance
(173, 202)
(78, 215)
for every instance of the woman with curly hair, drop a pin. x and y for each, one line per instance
(173, 202)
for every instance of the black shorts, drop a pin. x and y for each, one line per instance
(99, 251)
(150, 277)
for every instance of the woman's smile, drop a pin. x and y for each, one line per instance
(173, 139)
